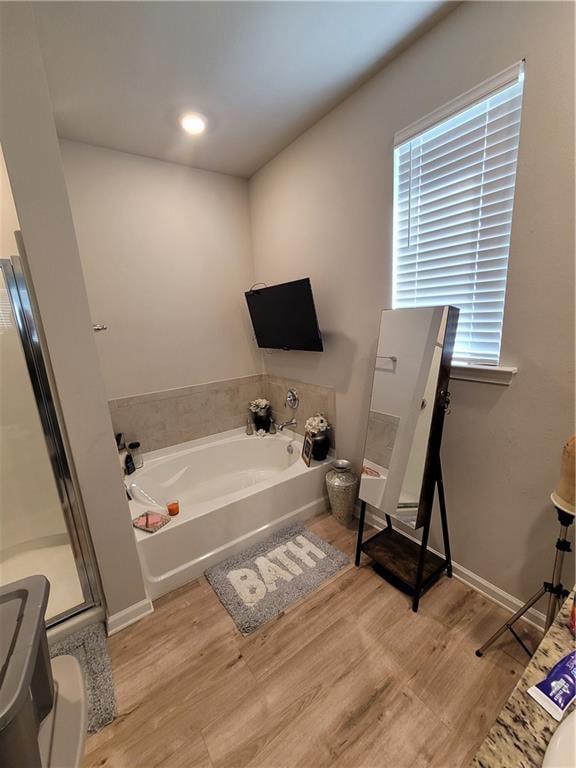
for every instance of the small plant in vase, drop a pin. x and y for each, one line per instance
(317, 426)
(260, 410)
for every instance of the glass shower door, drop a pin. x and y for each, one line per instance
(39, 523)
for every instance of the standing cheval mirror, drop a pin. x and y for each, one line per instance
(401, 467)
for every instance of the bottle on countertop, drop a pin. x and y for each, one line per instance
(136, 452)
(129, 467)
(122, 452)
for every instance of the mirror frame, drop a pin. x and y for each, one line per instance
(441, 403)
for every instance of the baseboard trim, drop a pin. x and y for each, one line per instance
(471, 579)
(118, 621)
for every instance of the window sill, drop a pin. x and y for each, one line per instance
(486, 374)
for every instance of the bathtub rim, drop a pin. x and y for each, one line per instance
(217, 437)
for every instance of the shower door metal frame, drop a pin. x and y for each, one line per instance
(27, 323)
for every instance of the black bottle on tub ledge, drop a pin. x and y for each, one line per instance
(261, 414)
(318, 428)
(262, 420)
(320, 446)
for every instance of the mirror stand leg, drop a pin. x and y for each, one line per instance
(444, 520)
(360, 533)
(421, 558)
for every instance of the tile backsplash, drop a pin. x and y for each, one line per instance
(172, 416)
(313, 399)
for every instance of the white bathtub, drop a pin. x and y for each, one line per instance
(234, 490)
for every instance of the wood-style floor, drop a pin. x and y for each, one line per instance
(347, 677)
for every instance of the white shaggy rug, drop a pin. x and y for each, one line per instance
(90, 647)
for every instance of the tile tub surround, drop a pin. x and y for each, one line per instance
(380, 437)
(313, 399)
(173, 416)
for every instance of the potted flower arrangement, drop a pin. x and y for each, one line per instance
(260, 409)
(317, 426)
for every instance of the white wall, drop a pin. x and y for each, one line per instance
(323, 208)
(33, 161)
(166, 256)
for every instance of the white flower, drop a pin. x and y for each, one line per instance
(316, 424)
(259, 404)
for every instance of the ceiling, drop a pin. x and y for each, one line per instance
(121, 74)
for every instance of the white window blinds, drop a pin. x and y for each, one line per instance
(453, 201)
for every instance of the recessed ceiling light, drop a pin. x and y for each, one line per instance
(193, 123)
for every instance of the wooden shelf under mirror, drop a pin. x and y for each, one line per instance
(396, 558)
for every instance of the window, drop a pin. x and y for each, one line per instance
(454, 177)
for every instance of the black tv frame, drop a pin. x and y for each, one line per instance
(316, 344)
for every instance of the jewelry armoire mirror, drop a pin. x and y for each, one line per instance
(401, 466)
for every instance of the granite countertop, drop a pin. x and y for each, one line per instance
(523, 729)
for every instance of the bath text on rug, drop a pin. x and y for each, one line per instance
(285, 563)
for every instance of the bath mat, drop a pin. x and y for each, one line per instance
(259, 583)
(89, 646)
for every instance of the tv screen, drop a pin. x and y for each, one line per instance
(284, 316)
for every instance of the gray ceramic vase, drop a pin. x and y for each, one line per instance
(342, 486)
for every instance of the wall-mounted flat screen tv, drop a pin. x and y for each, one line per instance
(284, 316)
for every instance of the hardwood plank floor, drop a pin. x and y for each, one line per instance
(349, 677)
